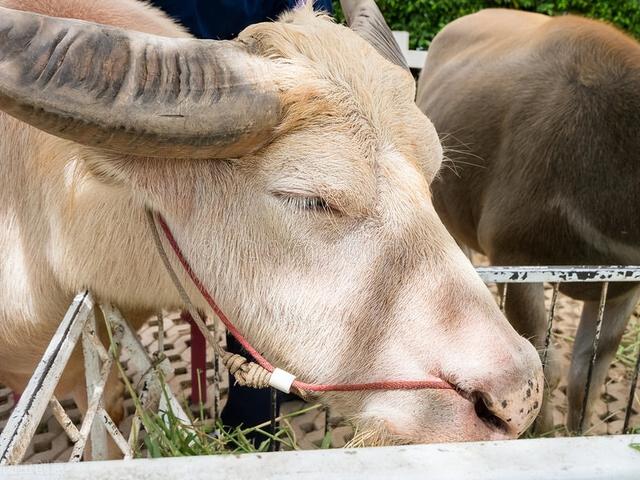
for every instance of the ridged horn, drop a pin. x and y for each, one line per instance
(364, 18)
(132, 92)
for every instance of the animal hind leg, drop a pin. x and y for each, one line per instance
(525, 309)
(616, 316)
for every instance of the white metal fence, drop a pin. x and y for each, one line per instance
(580, 458)
(79, 325)
(556, 276)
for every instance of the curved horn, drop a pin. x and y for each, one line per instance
(132, 92)
(364, 18)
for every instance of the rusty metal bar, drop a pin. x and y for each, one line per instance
(503, 296)
(594, 354)
(198, 362)
(274, 445)
(217, 379)
(552, 313)
(632, 394)
(160, 342)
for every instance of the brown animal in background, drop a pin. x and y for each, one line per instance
(539, 117)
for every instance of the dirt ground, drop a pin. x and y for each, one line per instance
(612, 402)
(51, 444)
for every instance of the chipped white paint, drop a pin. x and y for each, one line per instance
(79, 322)
(96, 390)
(115, 433)
(63, 419)
(559, 274)
(154, 394)
(92, 361)
(27, 414)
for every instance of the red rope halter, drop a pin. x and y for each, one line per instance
(434, 383)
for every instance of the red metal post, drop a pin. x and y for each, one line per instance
(198, 362)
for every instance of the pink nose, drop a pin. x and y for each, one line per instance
(510, 414)
(509, 396)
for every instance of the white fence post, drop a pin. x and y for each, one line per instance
(80, 322)
(92, 363)
(24, 420)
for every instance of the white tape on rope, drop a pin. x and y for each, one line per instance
(281, 380)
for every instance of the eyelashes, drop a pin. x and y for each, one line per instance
(308, 204)
(312, 203)
(315, 204)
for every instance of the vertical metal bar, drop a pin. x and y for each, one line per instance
(327, 418)
(274, 445)
(503, 297)
(92, 370)
(160, 343)
(24, 420)
(632, 394)
(217, 379)
(594, 354)
(552, 313)
(198, 362)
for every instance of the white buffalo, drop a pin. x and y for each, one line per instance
(293, 167)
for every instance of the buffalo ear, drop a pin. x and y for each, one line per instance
(364, 18)
(135, 93)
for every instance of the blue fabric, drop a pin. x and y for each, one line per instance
(224, 19)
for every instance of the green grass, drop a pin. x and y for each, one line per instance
(168, 436)
(165, 435)
(629, 347)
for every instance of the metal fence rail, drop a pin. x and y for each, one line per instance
(505, 276)
(583, 458)
(559, 274)
(79, 325)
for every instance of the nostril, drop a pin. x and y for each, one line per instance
(484, 412)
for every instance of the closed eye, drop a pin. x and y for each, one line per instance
(307, 203)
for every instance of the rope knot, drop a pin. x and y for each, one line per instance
(246, 373)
